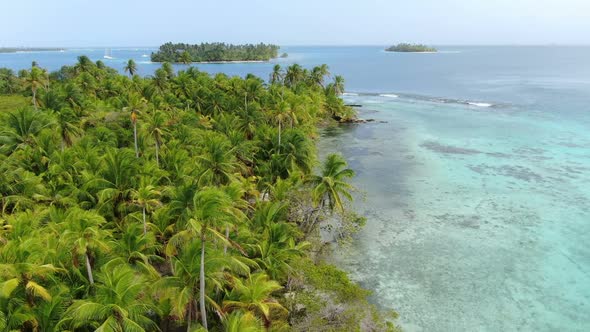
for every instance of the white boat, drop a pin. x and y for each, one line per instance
(107, 54)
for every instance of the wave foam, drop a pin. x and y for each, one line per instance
(479, 104)
(389, 95)
(350, 94)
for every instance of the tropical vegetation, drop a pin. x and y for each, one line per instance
(179, 201)
(406, 47)
(212, 52)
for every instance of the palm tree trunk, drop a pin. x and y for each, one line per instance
(226, 238)
(89, 269)
(157, 154)
(35, 98)
(135, 138)
(279, 136)
(188, 317)
(144, 223)
(202, 281)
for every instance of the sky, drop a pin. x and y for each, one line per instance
(71, 23)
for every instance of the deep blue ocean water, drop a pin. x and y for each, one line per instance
(476, 177)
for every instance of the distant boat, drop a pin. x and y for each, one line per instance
(107, 54)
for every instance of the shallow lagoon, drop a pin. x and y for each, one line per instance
(477, 216)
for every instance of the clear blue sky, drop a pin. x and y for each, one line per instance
(294, 22)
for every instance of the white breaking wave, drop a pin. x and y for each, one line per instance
(389, 95)
(350, 94)
(480, 104)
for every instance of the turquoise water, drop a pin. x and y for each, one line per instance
(477, 216)
(476, 180)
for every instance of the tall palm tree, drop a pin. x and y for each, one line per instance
(338, 84)
(35, 79)
(318, 74)
(84, 64)
(130, 67)
(156, 127)
(66, 122)
(82, 232)
(276, 76)
(147, 197)
(212, 207)
(135, 105)
(294, 75)
(284, 113)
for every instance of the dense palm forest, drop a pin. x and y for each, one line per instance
(176, 202)
(187, 53)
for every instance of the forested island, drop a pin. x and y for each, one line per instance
(28, 49)
(405, 47)
(214, 52)
(175, 202)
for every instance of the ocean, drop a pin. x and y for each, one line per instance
(474, 178)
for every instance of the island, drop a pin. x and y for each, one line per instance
(182, 201)
(214, 52)
(28, 49)
(406, 47)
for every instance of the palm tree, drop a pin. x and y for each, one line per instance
(26, 278)
(293, 75)
(21, 128)
(254, 295)
(82, 232)
(84, 64)
(331, 185)
(130, 67)
(239, 321)
(276, 76)
(168, 69)
(135, 105)
(66, 122)
(35, 79)
(185, 57)
(120, 303)
(147, 197)
(284, 113)
(115, 181)
(217, 161)
(318, 74)
(212, 207)
(156, 129)
(338, 84)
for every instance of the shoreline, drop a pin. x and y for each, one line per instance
(217, 62)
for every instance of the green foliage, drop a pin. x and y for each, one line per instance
(406, 47)
(187, 53)
(132, 203)
(328, 277)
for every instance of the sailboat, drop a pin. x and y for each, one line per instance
(107, 54)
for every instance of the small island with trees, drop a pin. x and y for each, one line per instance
(214, 52)
(28, 49)
(406, 47)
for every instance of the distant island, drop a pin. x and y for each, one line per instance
(214, 52)
(405, 47)
(27, 49)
